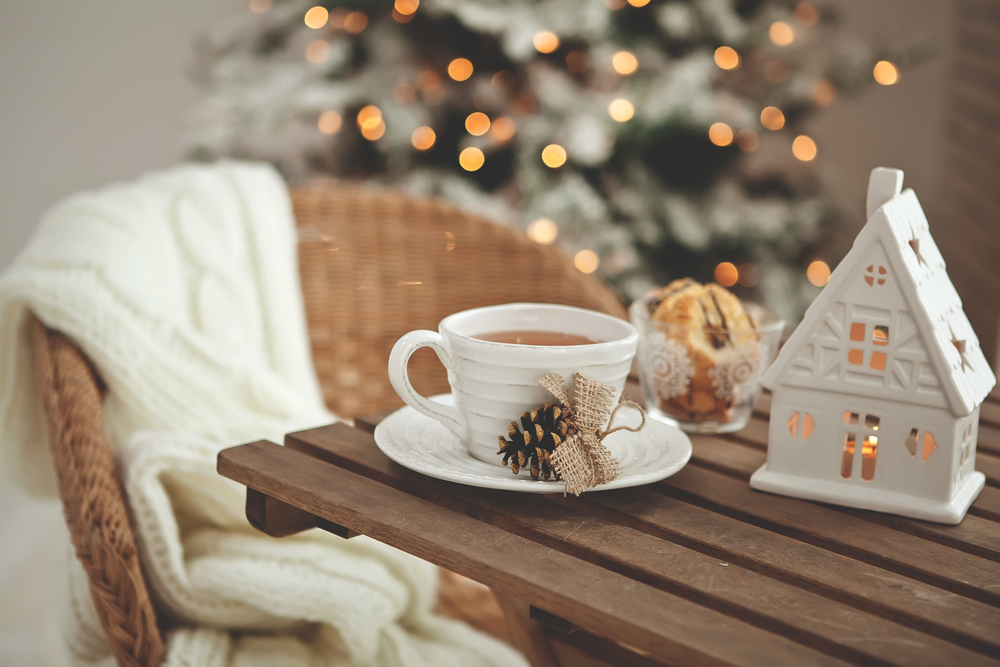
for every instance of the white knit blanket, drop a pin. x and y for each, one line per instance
(183, 289)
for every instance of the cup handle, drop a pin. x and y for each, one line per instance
(404, 348)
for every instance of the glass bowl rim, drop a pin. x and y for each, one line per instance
(776, 324)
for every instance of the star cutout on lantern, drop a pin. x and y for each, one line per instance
(960, 346)
(915, 244)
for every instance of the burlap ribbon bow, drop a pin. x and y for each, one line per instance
(582, 460)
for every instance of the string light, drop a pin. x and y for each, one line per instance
(554, 156)
(338, 15)
(727, 58)
(372, 129)
(621, 110)
(318, 52)
(747, 140)
(460, 69)
(406, 7)
(885, 73)
(329, 122)
(543, 231)
(471, 159)
(367, 113)
(586, 261)
(502, 80)
(818, 273)
(503, 129)
(477, 124)
(624, 63)
(823, 93)
(260, 6)
(577, 62)
(804, 148)
(545, 41)
(726, 274)
(402, 18)
(781, 33)
(772, 118)
(423, 138)
(355, 22)
(720, 134)
(806, 13)
(316, 17)
(637, 3)
(749, 275)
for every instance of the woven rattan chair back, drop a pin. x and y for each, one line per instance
(93, 500)
(376, 264)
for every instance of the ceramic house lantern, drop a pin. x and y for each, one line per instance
(876, 395)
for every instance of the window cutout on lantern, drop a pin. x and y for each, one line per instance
(869, 450)
(851, 418)
(878, 361)
(793, 424)
(929, 446)
(856, 357)
(911, 442)
(872, 422)
(857, 331)
(847, 462)
(880, 335)
(807, 426)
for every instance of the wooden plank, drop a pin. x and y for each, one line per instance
(953, 570)
(989, 412)
(526, 634)
(678, 568)
(989, 465)
(989, 439)
(586, 594)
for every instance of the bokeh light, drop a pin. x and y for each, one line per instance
(749, 275)
(621, 110)
(781, 33)
(614, 5)
(404, 93)
(318, 52)
(637, 3)
(726, 274)
(460, 69)
(823, 93)
(406, 7)
(772, 118)
(554, 156)
(885, 73)
(720, 134)
(727, 58)
(624, 63)
(329, 122)
(337, 16)
(577, 62)
(747, 140)
(367, 113)
(545, 41)
(428, 80)
(355, 22)
(543, 231)
(804, 148)
(502, 80)
(818, 273)
(503, 129)
(586, 261)
(316, 17)
(477, 124)
(423, 138)
(373, 128)
(260, 6)
(806, 13)
(471, 159)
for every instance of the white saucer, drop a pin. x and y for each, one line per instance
(423, 445)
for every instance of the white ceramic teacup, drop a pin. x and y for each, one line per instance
(493, 383)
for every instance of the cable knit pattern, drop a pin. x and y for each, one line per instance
(183, 289)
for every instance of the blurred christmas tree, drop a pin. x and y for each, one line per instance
(651, 140)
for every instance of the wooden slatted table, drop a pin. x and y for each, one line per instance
(697, 569)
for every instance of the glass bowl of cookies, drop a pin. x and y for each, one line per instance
(701, 355)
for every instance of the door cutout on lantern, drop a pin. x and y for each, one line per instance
(865, 429)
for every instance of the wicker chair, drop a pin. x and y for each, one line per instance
(374, 264)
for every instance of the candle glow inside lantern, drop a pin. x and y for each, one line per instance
(876, 394)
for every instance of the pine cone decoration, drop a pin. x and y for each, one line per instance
(542, 430)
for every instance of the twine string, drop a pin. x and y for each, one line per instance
(603, 434)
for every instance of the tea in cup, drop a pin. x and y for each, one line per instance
(496, 355)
